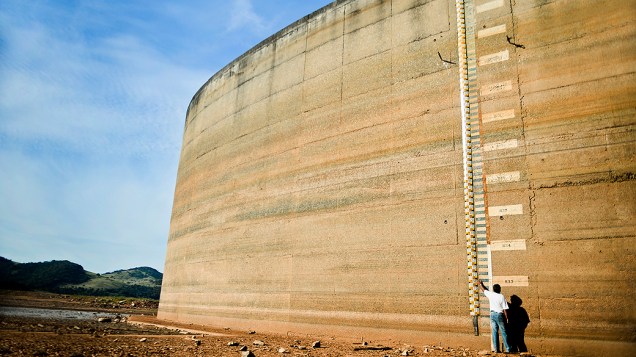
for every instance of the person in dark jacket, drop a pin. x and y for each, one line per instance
(518, 320)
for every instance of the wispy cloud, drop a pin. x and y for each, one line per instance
(93, 96)
(243, 17)
(90, 129)
(114, 86)
(102, 215)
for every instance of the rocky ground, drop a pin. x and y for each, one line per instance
(35, 336)
(82, 303)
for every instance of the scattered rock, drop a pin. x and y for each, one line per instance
(104, 319)
(316, 344)
(484, 353)
(406, 353)
(76, 327)
(258, 343)
(251, 332)
(243, 348)
(143, 339)
(232, 343)
(282, 350)
(40, 325)
(247, 354)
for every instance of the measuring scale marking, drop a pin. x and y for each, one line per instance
(501, 145)
(491, 31)
(494, 58)
(496, 116)
(513, 176)
(508, 210)
(489, 6)
(516, 280)
(512, 244)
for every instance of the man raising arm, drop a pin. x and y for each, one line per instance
(498, 314)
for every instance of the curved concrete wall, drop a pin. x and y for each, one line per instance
(320, 180)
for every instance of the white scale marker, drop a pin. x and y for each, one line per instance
(482, 264)
(495, 116)
(489, 6)
(501, 145)
(511, 280)
(495, 30)
(509, 210)
(503, 177)
(496, 88)
(513, 244)
(486, 90)
(494, 58)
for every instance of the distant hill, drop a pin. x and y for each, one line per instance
(62, 276)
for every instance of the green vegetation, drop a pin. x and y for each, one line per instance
(70, 278)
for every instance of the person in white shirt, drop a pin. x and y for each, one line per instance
(498, 315)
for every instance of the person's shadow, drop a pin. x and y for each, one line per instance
(518, 320)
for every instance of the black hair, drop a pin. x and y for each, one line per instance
(496, 288)
(515, 300)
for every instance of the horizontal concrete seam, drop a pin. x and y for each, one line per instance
(627, 74)
(336, 184)
(529, 47)
(623, 177)
(530, 146)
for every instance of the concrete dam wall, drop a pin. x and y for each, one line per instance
(358, 170)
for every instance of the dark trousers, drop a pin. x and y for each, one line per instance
(516, 339)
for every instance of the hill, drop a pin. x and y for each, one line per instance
(62, 276)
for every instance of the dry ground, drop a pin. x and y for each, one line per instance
(30, 336)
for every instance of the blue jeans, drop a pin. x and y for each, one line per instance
(496, 325)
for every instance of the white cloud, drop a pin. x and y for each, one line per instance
(101, 215)
(243, 17)
(90, 133)
(117, 87)
(93, 96)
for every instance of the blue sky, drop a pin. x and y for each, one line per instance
(93, 96)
